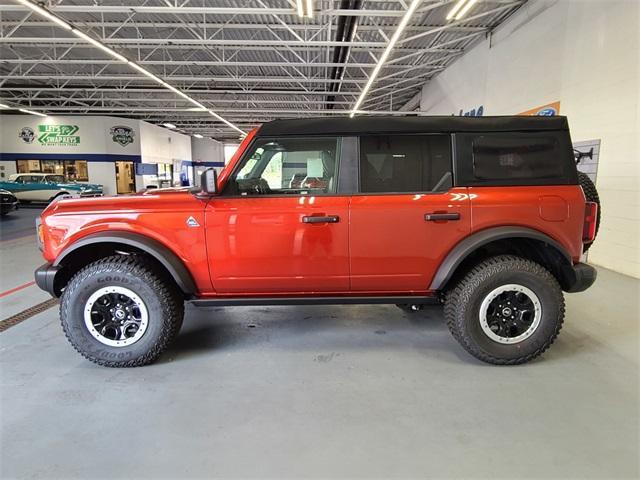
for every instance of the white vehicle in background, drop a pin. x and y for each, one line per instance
(44, 187)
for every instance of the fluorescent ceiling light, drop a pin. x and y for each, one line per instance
(45, 13)
(99, 45)
(169, 125)
(304, 7)
(392, 42)
(2, 105)
(465, 9)
(196, 109)
(31, 112)
(197, 135)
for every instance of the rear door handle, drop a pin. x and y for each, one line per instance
(434, 217)
(318, 219)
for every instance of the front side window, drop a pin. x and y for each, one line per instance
(296, 166)
(405, 163)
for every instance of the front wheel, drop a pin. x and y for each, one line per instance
(121, 312)
(507, 310)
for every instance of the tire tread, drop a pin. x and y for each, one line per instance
(459, 296)
(139, 266)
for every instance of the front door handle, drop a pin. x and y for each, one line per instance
(435, 217)
(318, 219)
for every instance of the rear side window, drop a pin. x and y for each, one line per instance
(405, 163)
(516, 157)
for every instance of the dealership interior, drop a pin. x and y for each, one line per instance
(150, 102)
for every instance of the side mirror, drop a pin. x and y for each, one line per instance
(209, 182)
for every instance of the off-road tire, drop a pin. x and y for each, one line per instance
(591, 194)
(463, 301)
(163, 301)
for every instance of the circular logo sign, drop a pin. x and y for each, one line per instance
(27, 135)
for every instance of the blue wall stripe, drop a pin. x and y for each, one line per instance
(89, 157)
(189, 163)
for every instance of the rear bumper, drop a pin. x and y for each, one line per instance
(45, 278)
(584, 276)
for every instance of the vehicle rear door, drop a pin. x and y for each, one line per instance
(280, 226)
(406, 216)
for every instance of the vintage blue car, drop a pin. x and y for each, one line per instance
(44, 187)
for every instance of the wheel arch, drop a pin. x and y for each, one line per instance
(522, 241)
(99, 245)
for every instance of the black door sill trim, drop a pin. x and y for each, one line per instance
(265, 301)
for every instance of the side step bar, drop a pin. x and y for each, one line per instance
(267, 301)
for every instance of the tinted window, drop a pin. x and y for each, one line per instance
(55, 178)
(516, 156)
(405, 163)
(303, 166)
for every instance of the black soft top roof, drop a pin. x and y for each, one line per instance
(426, 124)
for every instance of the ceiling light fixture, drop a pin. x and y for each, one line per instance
(465, 9)
(96, 43)
(99, 45)
(169, 125)
(31, 112)
(45, 13)
(2, 105)
(304, 7)
(197, 135)
(383, 58)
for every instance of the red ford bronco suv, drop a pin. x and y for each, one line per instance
(485, 215)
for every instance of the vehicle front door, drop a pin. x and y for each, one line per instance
(406, 216)
(280, 225)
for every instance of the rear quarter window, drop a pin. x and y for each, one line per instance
(501, 157)
(514, 158)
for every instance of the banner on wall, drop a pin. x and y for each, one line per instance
(548, 110)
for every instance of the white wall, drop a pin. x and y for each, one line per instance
(208, 151)
(161, 145)
(584, 54)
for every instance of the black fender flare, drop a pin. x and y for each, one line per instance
(471, 243)
(162, 254)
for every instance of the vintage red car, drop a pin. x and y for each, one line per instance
(485, 215)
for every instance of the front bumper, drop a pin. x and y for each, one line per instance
(6, 207)
(45, 278)
(583, 277)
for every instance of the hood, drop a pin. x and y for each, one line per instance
(166, 199)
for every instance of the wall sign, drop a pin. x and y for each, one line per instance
(58, 135)
(548, 110)
(474, 112)
(27, 135)
(121, 134)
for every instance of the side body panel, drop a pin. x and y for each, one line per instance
(394, 248)
(262, 245)
(557, 211)
(161, 216)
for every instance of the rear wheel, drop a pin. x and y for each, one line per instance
(507, 310)
(591, 194)
(121, 312)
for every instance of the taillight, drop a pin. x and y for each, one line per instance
(590, 219)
